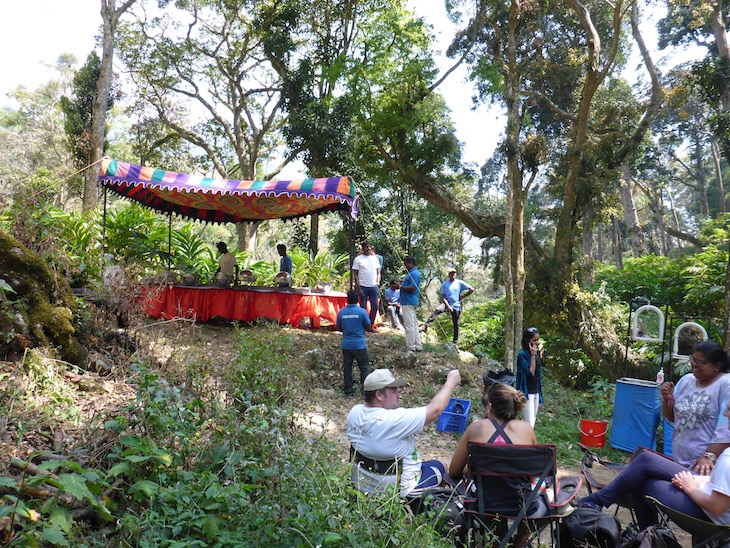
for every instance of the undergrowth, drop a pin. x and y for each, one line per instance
(230, 470)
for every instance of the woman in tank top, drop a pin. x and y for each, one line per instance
(502, 403)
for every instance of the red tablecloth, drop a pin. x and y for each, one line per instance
(244, 304)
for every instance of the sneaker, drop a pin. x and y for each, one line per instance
(585, 503)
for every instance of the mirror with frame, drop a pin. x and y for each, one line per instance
(648, 324)
(686, 337)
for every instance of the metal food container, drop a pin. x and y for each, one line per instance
(221, 280)
(190, 279)
(322, 287)
(246, 277)
(283, 279)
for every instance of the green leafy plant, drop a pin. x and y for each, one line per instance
(5, 288)
(50, 520)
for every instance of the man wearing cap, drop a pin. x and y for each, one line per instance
(381, 434)
(410, 288)
(366, 275)
(452, 292)
(353, 321)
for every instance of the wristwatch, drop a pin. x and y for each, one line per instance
(712, 457)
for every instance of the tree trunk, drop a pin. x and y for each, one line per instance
(631, 217)
(618, 256)
(588, 249)
(600, 229)
(723, 49)
(701, 186)
(676, 218)
(110, 17)
(314, 234)
(718, 176)
(247, 236)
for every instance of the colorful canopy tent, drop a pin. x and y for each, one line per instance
(224, 200)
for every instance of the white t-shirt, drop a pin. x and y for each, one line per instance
(227, 263)
(386, 434)
(367, 267)
(718, 480)
(698, 418)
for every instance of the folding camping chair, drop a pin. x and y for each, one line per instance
(497, 470)
(593, 483)
(705, 534)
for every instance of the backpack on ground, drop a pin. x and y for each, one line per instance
(446, 506)
(654, 536)
(588, 527)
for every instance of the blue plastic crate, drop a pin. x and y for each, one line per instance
(455, 417)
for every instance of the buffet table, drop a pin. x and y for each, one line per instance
(246, 304)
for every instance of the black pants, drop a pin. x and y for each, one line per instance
(455, 314)
(363, 362)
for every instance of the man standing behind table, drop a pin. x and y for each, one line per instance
(392, 299)
(410, 287)
(382, 434)
(452, 291)
(285, 262)
(227, 263)
(366, 274)
(353, 321)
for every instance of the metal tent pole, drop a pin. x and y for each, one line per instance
(169, 240)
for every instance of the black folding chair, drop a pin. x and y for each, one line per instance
(705, 534)
(593, 483)
(498, 498)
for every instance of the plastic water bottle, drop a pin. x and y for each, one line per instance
(660, 376)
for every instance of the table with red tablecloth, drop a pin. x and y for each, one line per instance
(242, 303)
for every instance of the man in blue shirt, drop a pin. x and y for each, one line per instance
(353, 321)
(452, 291)
(410, 288)
(392, 300)
(285, 262)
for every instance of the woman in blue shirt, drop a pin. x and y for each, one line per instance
(529, 364)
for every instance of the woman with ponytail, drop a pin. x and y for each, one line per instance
(502, 403)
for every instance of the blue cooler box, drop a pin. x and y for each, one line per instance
(636, 413)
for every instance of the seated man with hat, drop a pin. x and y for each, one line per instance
(381, 434)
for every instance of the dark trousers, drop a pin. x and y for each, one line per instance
(649, 474)
(363, 362)
(455, 314)
(370, 293)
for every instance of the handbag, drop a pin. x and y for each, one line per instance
(654, 536)
(586, 527)
(498, 377)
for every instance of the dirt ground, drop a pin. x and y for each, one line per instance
(174, 343)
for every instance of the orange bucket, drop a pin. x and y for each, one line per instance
(593, 433)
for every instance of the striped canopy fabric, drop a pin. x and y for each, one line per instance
(224, 200)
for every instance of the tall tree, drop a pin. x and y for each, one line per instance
(32, 137)
(110, 15)
(212, 56)
(78, 108)
(705, 22)
(561, 90)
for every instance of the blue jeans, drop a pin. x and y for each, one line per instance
(455, 314)
(363, 362)
(370, 293)
(648, 474)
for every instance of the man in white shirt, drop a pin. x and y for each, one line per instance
(366, 275)
(382, 439)
(227, 263)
